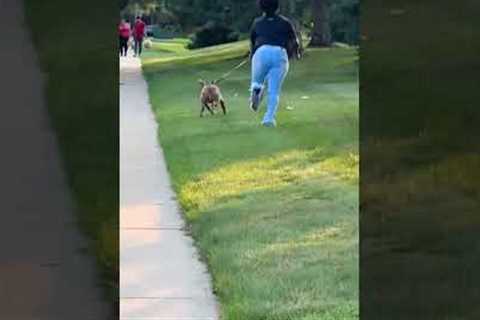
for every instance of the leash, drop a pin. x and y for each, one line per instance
(238, 66)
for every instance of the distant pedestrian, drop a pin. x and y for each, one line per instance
(124, 34)
(273, 42)
(138, 35)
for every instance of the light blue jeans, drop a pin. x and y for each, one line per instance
(270, 65)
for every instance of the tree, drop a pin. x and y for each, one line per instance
(123, 4)
(344, 21)
(145, 8)
(321, 34)
(325, 21)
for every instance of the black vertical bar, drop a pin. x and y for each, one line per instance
(420, 160)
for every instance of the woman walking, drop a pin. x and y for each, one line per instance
(124, 34)
(273, 43)
(138, 35)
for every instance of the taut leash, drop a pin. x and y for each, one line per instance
(238, 66)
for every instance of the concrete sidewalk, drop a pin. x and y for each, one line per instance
(44, 272)
(161, 276)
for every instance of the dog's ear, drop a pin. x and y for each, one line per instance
(214, 81)
(202, 82)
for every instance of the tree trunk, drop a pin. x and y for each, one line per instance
(321, 36)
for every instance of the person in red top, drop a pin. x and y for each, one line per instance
(138, 35)
(124, 35)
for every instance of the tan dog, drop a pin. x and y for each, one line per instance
(211, 97)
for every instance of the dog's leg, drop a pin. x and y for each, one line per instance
(209, 109)
(202, 110)
(224, 107)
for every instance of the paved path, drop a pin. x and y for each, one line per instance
(160, 274)
(43, 273)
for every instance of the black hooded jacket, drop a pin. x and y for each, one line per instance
(275, 30)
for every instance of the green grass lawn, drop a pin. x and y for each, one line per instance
(83, 107)
(274, 211)
(174, 46)
(175, 52)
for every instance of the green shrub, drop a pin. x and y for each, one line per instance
(212, 34)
